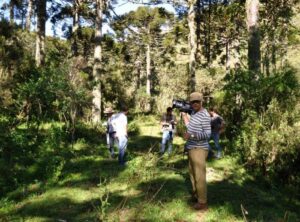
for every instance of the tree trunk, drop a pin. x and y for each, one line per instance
(11, 11)
(29, 15)
(41, 32)
(193, 45)
(138, 65)
(252, 10)
(198, 31)
(208, 34)
(97, 94)
(147, 106)
(75, 27)
(23, 18)
(148, 69)
(228, 58)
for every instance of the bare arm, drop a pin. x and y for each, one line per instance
(185, 117)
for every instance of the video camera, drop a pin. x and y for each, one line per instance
(182, 105)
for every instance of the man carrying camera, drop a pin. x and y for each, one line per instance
(168, 122)
(197, 137)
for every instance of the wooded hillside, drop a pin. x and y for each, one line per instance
(242, 55)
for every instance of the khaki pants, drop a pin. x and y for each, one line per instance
(197, 170)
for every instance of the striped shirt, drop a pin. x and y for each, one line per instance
(199, 126)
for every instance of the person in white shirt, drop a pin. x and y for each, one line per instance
(168, 123)
(120, 125)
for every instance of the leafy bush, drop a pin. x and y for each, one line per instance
(270, 143)
(133, 128)
(143, 101)
(243, 93)
(29, 155)
(262, 118)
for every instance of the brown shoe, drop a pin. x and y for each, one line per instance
(200, 206)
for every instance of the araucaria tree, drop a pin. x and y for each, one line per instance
(144, 27)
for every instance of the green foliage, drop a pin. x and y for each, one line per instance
(30, 155)
(133, 128)
(89, 132)
(262, 117)
(29, 97)
(104, 201)
(142, 100)
(269, 142)
(88, 187)
(45, 137)
(180, 128)
(243, 93)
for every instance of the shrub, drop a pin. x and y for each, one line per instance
(261, 116)
(269, 143)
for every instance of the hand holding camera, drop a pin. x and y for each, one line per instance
(183, 106)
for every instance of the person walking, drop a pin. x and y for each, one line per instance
(197, 136)
(110, 132)
(120, 125)
(217, 125)
(168, 123)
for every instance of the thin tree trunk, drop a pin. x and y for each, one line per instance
(11, 11)
(23, 17)
(198, 31)
(75, 27)
(285, 43)
(138, 65)
(273, 54)
(252, 10)
(97, 93)
(237, 50)
(29, 15)
(148, 69)
(228, 57)
(41, 32)
(267, 60)
(209, 30)
(193, 45)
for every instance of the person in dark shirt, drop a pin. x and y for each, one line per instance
(217, 125)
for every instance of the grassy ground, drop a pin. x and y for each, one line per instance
(91, 187)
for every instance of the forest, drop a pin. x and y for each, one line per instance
(63, 62)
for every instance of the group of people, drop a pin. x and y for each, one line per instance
(168, 124)
(201, 126)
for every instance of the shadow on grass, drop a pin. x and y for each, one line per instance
(91, 171)
(164, 190)
(225, 197)
(260, 204)
(83, 173)
(142, 144)
(60, 209)
(260, 200)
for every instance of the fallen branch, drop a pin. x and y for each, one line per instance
(245, 212)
